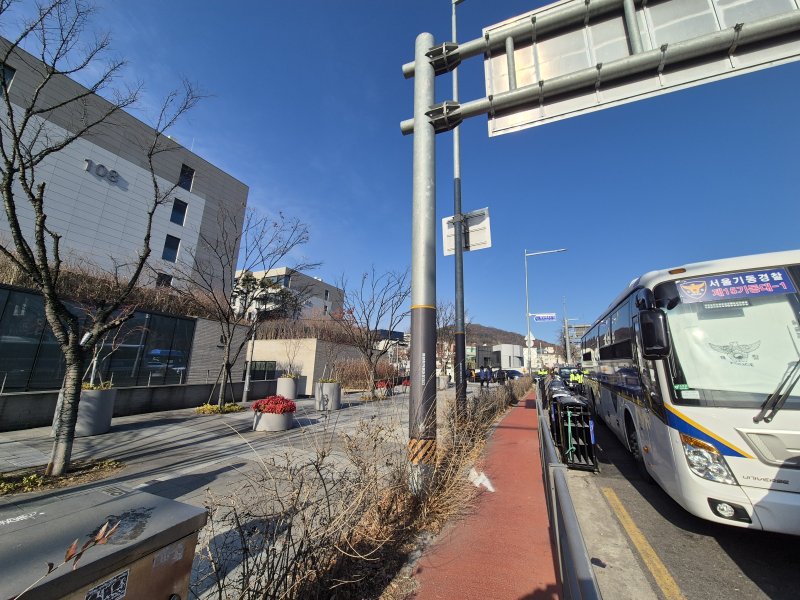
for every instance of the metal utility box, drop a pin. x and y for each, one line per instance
(149, 557)
(573, 432)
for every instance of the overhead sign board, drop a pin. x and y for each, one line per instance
(577, 56)
(542, 317)
(477, 232)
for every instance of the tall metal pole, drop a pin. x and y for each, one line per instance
(528, 340)
(458, 226)
(422, 403)
(568, 349)
(246, 391)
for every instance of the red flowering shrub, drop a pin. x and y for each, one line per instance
(276, 405)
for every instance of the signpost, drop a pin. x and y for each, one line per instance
(476, 229)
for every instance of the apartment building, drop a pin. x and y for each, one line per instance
(320, 299)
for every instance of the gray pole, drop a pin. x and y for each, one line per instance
(246, 391)
(458, 227)
(422, 404)
(528, 340)
(568, 349)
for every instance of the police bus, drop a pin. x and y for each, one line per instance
(695, 368)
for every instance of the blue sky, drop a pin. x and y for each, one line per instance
(305, 104)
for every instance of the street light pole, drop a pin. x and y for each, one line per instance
(529, 339)
(458, 229)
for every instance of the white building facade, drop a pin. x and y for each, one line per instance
(99, 187)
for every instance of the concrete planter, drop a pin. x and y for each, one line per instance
(272, 422)
(442, 382)
(287, 387)
(328, 396)
(94, 412)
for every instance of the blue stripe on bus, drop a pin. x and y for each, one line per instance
(676, 422)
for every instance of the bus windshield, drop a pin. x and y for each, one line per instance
(733, 341)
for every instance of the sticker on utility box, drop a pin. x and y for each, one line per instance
(112, 589)
(768, 282)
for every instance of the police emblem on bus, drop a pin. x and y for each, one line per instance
(694, 289)
(738, 354)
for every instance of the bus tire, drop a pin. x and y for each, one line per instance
(636, 451)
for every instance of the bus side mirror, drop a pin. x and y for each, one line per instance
(655, 338)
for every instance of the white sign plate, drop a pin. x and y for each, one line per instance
(591, 44)
(477, 233)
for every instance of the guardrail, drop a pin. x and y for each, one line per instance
(575, 568)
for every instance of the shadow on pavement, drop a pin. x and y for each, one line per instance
(180, 486)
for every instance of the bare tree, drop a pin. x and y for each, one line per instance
(239, 300)
(377, 303)
(28, 141)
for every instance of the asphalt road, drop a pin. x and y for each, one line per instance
(699, 559)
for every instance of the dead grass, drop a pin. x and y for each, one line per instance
(33, 479)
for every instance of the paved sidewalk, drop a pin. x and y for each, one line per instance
(502, 550)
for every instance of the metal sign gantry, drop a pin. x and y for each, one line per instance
(623, 50)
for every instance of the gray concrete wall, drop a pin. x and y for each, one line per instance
(26, 410)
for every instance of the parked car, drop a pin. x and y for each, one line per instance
(514, 374)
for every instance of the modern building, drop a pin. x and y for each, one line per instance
(99, 187)
(320, 299)
(98, 190)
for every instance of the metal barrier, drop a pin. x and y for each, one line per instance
(575, 569)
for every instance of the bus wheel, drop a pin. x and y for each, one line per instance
(633, 444)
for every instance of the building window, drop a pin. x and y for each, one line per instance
(171, 245)
(287, 281)
(7, 75)
(163, 280)
(327, 295)
(186, 178)
(178, 211)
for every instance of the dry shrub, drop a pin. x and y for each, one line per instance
(336, 518)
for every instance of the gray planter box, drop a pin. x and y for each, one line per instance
(287, 387)
(272, 422)
(328, 396)
(94, 412)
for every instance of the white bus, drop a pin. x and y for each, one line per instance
(694, 368)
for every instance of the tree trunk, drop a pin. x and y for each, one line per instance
(67, 415)
(225, 375)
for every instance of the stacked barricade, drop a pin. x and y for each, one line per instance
(571, 425)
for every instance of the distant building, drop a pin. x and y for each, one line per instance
(320, 299)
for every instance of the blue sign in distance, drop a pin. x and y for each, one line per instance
(540, 317)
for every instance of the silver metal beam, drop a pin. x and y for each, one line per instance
(632, 25)
(652, 60)
(543, 24)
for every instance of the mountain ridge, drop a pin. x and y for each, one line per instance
(478, 335)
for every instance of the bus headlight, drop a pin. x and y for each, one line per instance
(705, 461)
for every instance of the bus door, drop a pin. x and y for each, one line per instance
(653, 431)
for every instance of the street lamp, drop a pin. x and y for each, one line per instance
(529, 339)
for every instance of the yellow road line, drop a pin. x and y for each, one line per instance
(657, 568)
